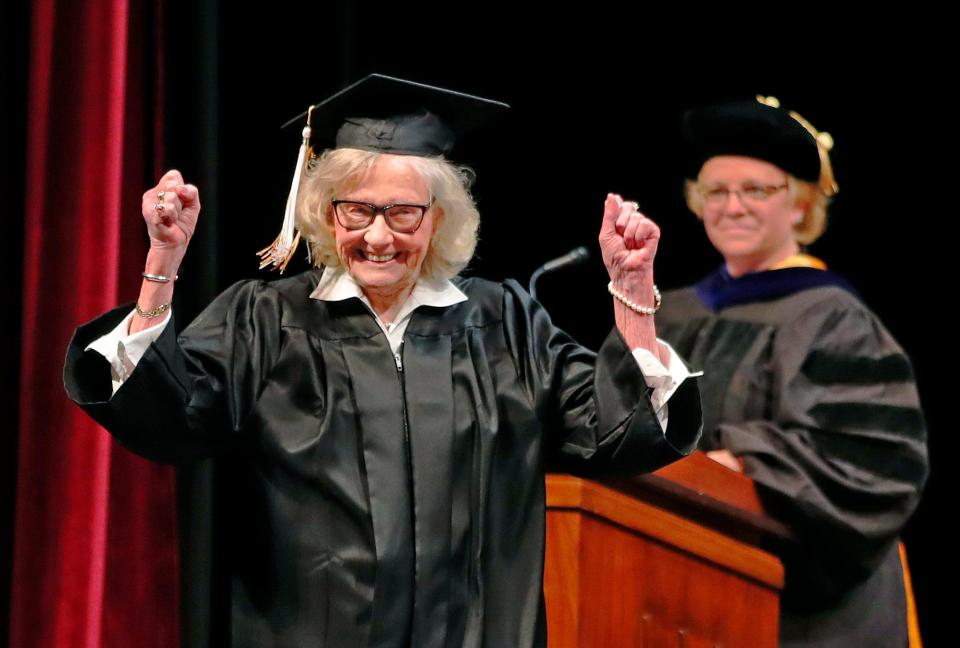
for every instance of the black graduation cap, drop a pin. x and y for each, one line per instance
(759, 129)
(384, 114)
(391, 115)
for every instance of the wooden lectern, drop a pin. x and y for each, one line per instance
(674, 558)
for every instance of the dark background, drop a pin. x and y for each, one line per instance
(597, 99)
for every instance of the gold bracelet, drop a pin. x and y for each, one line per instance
(153, 312)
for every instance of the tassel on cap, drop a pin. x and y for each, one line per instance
(279, 253)
(828, 185)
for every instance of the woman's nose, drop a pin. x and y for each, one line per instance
(734, 204)
(378, 232)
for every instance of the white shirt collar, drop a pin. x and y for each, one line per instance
(337, 285)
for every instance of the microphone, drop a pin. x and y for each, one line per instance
(576, 256)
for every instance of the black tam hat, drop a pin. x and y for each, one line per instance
(759, 129)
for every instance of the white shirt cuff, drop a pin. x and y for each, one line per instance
(123, 350)
(663, 381)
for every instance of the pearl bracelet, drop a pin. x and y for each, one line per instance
(637, 308)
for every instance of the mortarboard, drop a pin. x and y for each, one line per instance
(384, 114)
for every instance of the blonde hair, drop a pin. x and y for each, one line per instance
(801, 192)
(339, 170)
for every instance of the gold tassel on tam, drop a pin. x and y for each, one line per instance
(824, 141)
(279, 253)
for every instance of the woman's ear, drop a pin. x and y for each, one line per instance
(799, 210)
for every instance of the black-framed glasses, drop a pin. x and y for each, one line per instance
(401, 218)
(748, 193)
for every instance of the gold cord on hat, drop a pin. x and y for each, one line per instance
(828, 185)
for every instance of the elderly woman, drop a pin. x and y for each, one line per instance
(389, 422)
(804, 390)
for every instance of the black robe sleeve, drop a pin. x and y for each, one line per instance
(188, 397)
(843, 451)
(596, 407)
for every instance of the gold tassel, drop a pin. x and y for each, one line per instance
(828, 185)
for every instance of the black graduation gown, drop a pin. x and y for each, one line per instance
(379, 506)
(805, 385)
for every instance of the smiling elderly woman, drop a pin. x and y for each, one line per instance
(804, 389)
(388, 423)
(431, 210)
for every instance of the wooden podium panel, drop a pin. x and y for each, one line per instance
(658, 561)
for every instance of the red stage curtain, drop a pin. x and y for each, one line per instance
(95, 556)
